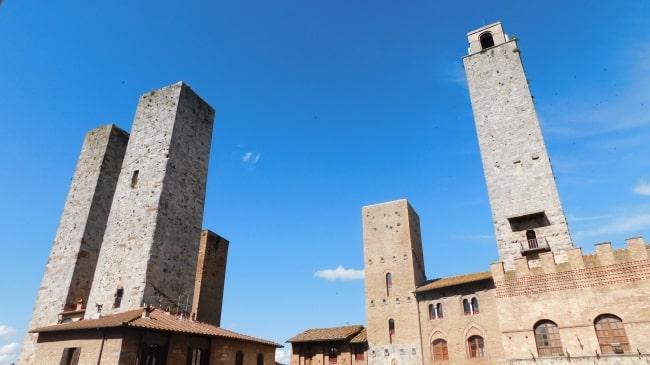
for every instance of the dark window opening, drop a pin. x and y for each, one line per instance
(439, 310)
(531, 237)
(389, 283)
(260, 359)
(467, 308)
(529, 221)
(486, 40)
(197, 356)
(134, 178)
(333, 354)
(239, 358)
(119, 293)
(391, 330)
(153, 355)
(70, 356)
(475, 305)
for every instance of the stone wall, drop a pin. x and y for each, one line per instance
(392, 245)
(150, 248)
(573, 294)
(72, 261)
(521, 186)
(210, 278)
(456, 326)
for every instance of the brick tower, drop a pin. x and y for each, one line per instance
(71, 265)
(394, 267)
(210, 278)
(149, 252)
(526, 209)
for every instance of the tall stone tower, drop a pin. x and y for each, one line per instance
(394, 267)
(210, 278)
(149, 250)
(526, 209)
(73, 259)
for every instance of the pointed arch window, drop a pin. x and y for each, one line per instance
(440, 351)
(391, 330)
(611, 334)
(476, 346)
(547, 338)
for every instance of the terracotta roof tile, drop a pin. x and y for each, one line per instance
(361, 337)
(454, 280)
(157, 320)
(327, 334)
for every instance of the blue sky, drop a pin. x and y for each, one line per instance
(322, 107)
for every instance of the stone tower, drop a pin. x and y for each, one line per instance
(526, 209)
(210, 278)
(394, 267)
(70, 268)
(149, 251)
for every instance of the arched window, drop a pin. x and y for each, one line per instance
(334, 354)
(432, 311)
(391, 330)
(475, 305)
(486, 40)
(260, 359)
(389, 283)
(239, 358)
(611, 334)
(467, 308)
(475, 346)
(532, 239)
(440, 352)
(547, 338)
(439, 310)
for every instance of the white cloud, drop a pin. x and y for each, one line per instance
(251, 157)
(340, 273)
(642, 188)
(9, 353)
(634, 223)
(5, 331)
(283, 355)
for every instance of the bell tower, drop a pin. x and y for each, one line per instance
(526, 209)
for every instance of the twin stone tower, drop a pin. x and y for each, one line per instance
(130, 233)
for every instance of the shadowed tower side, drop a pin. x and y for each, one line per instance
(394, 267)
(70, 268)
(150, 247)
(526, 209)
(210, 278)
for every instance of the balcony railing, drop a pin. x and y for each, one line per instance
(534, 245)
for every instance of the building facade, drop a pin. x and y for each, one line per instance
(543, 302)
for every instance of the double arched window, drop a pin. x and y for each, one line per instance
(435, 311)
(547, 338)
(611, 334)
(470, 306)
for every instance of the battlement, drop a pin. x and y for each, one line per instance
(605, 267)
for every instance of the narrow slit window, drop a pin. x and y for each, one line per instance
(134, 178)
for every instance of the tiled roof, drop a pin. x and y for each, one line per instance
(157, 320)
(360, 337)
(454, 280)
(327, 334)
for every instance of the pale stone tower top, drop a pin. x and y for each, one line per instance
(526, 209)
(487, 36)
